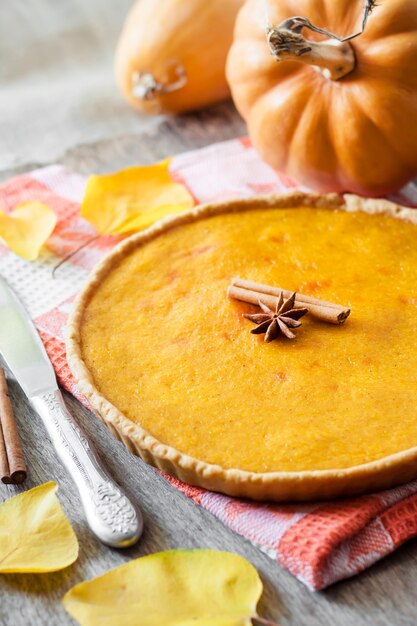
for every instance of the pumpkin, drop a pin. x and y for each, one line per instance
(335, 115)
(172, 54)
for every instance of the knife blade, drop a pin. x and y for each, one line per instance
(112, 517)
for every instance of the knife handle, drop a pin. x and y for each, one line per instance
(110, 514)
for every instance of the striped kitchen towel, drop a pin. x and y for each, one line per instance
(319, 543)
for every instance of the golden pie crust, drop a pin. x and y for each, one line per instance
(271, 485)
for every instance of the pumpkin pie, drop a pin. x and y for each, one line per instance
(170, 365)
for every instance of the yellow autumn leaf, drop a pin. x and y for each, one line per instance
(174, 588)
(35, 535)
(26, 228)
(133, 199)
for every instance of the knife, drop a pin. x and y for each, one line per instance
(109, 513)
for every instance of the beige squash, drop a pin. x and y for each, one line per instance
(171, 54)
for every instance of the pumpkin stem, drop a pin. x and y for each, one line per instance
(146, 87)
(334, 59)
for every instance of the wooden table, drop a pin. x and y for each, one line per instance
(384, 595)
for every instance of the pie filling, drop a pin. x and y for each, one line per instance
(167, 347)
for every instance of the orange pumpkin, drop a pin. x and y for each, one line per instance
(335, 116)
(171, 54)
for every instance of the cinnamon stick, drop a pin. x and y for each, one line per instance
(4, 463)
(320, 309)
(275, 291)
(11, 453)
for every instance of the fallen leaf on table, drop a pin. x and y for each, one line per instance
(26, 228)
(174, 588)
(35, 535)
(133, 199)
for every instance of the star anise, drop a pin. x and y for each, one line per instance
(272, 323)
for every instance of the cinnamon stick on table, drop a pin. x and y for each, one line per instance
(251, 292)
(12, 462)
(4, 463)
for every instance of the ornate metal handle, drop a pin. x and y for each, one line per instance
(110, 514)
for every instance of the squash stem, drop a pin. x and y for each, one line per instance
(146, 87)
(333, 58)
